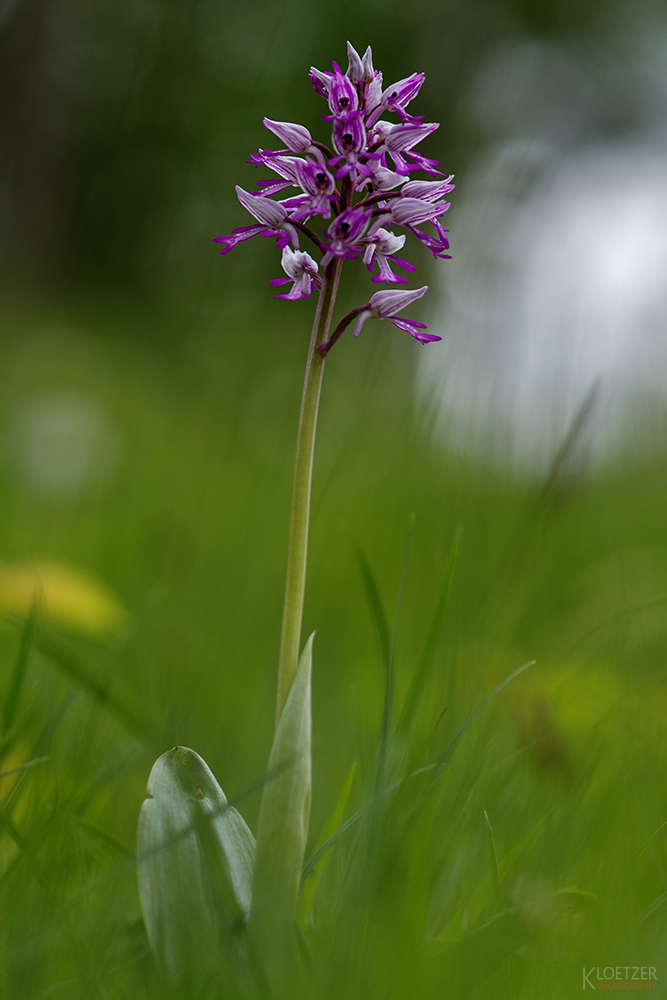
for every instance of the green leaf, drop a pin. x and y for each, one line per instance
(310, 887)
(195, 862)
(283, 819)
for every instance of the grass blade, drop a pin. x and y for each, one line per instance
(321, 851)
(67, 663)
(422, 750)
(18, 675)
(388, 708)
(375, 605)
(24, 767)
(493, 857)
(449, 749)
(309, 890)
(437, 621)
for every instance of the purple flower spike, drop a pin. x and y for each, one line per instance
(302, 270)
(384, 304)
(297, 138)
(367, 179)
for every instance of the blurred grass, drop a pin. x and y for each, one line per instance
(188, 530)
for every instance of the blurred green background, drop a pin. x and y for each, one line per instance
(148, 409)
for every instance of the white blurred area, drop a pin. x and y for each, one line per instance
(555, 302)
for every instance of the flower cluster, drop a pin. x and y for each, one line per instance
(362, 183)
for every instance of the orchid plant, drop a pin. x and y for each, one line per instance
(193, 846)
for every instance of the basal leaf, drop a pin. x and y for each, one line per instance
(195, 863)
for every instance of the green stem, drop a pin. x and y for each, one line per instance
(297, 557)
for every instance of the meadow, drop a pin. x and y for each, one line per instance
(530, 843)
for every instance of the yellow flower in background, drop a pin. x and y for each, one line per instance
(65, 595)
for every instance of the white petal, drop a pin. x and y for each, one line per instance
(296, 137)
(392, 300)
(355, 70)
(269, 213)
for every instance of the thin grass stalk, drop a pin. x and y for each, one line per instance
(388, 709)
(297, 556)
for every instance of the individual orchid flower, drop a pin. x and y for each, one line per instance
(318, 186)
(400, 143)
(398, 95)
(287, 167)
(349, 140)
(343, 96)
(272, 219)
(384, 305)
(382, 248)
(428, 190)
(321, 82)
(346, 231)
(302, 270)
(372, 87)
(370, 74)
(380, 178)
(297, 138)
(413, 212)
